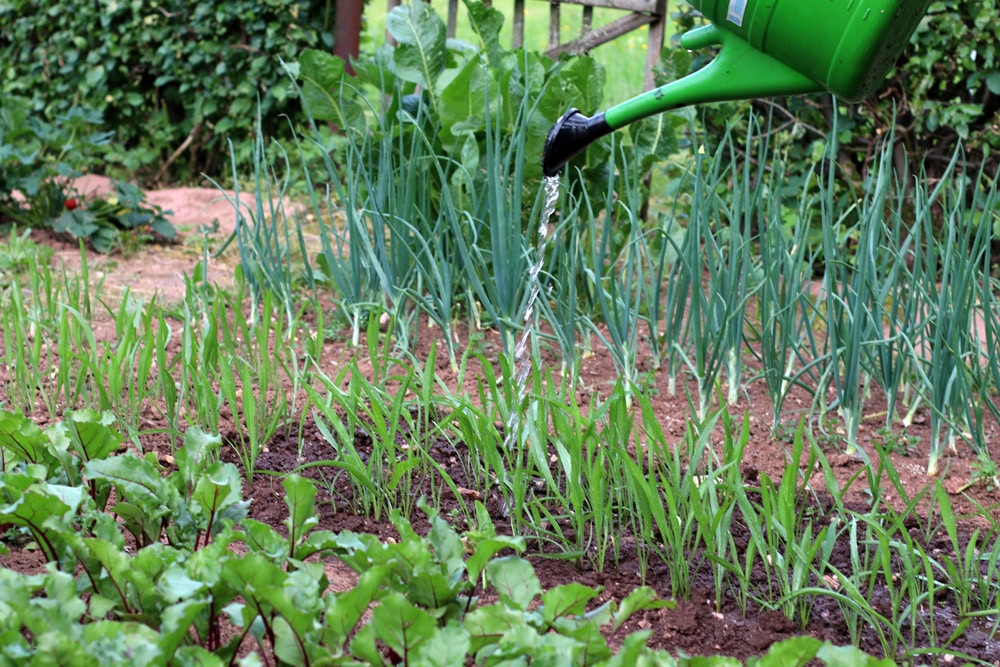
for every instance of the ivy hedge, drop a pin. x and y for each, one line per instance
(169, 76)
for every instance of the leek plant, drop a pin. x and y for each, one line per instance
(951, 295)
(614, 281)
(785, 313)
(716, 308)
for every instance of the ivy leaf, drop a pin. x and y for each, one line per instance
(515, 581)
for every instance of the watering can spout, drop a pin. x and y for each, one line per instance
(571, 134)
(738, 72)
(768, 48)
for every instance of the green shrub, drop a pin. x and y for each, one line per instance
(944, 90)
(166, 75)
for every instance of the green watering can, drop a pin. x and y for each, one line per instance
(768, 48)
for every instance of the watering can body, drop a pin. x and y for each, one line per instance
(767, 48)
(846, 46)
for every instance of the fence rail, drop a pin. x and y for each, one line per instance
(637, 14)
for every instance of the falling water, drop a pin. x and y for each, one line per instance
(522, 360)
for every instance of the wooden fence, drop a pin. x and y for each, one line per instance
(635, 15)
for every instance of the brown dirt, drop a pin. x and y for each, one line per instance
(694, 626)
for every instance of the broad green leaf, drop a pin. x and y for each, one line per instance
(993, 82)
(46, 510)
(90, 433)
(262, 538)
(448, 548)
(486, 625)
(176, 584)
(639, 599)
(674, 64)
(197, 656)
(401, 625)
(654, 139)
(323, 92)
(218, 487)
(176, 621)
(448, 647)
(193, 456)
(120, 643)
(137, 479)
(566, 600)
(631, 649)
(587, 638)
(288, 646)
(421, 54)
(515, 581)
(486, 22)
(586, 77)
(23, 438)
(463, 102)
(300, 496)
(486, 549)
(849, 656)
(142, 523)
(344, 610)
(790, 652)
(432, 589)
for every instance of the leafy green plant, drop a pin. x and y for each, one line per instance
(121, 220)
(38, 159)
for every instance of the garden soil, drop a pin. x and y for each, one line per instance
(694, 626)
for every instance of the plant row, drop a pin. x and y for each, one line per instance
(433, 212)
(594, 483)
(142, 570)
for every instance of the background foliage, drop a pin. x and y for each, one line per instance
(161, 72)
(945, 90)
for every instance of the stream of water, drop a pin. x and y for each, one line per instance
(521, 365)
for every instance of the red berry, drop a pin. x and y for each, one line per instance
(71, 204)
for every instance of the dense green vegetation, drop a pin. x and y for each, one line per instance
(424, 204)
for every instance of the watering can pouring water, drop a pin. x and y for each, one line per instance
(767, 48)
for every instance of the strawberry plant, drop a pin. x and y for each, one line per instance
(120, 220)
